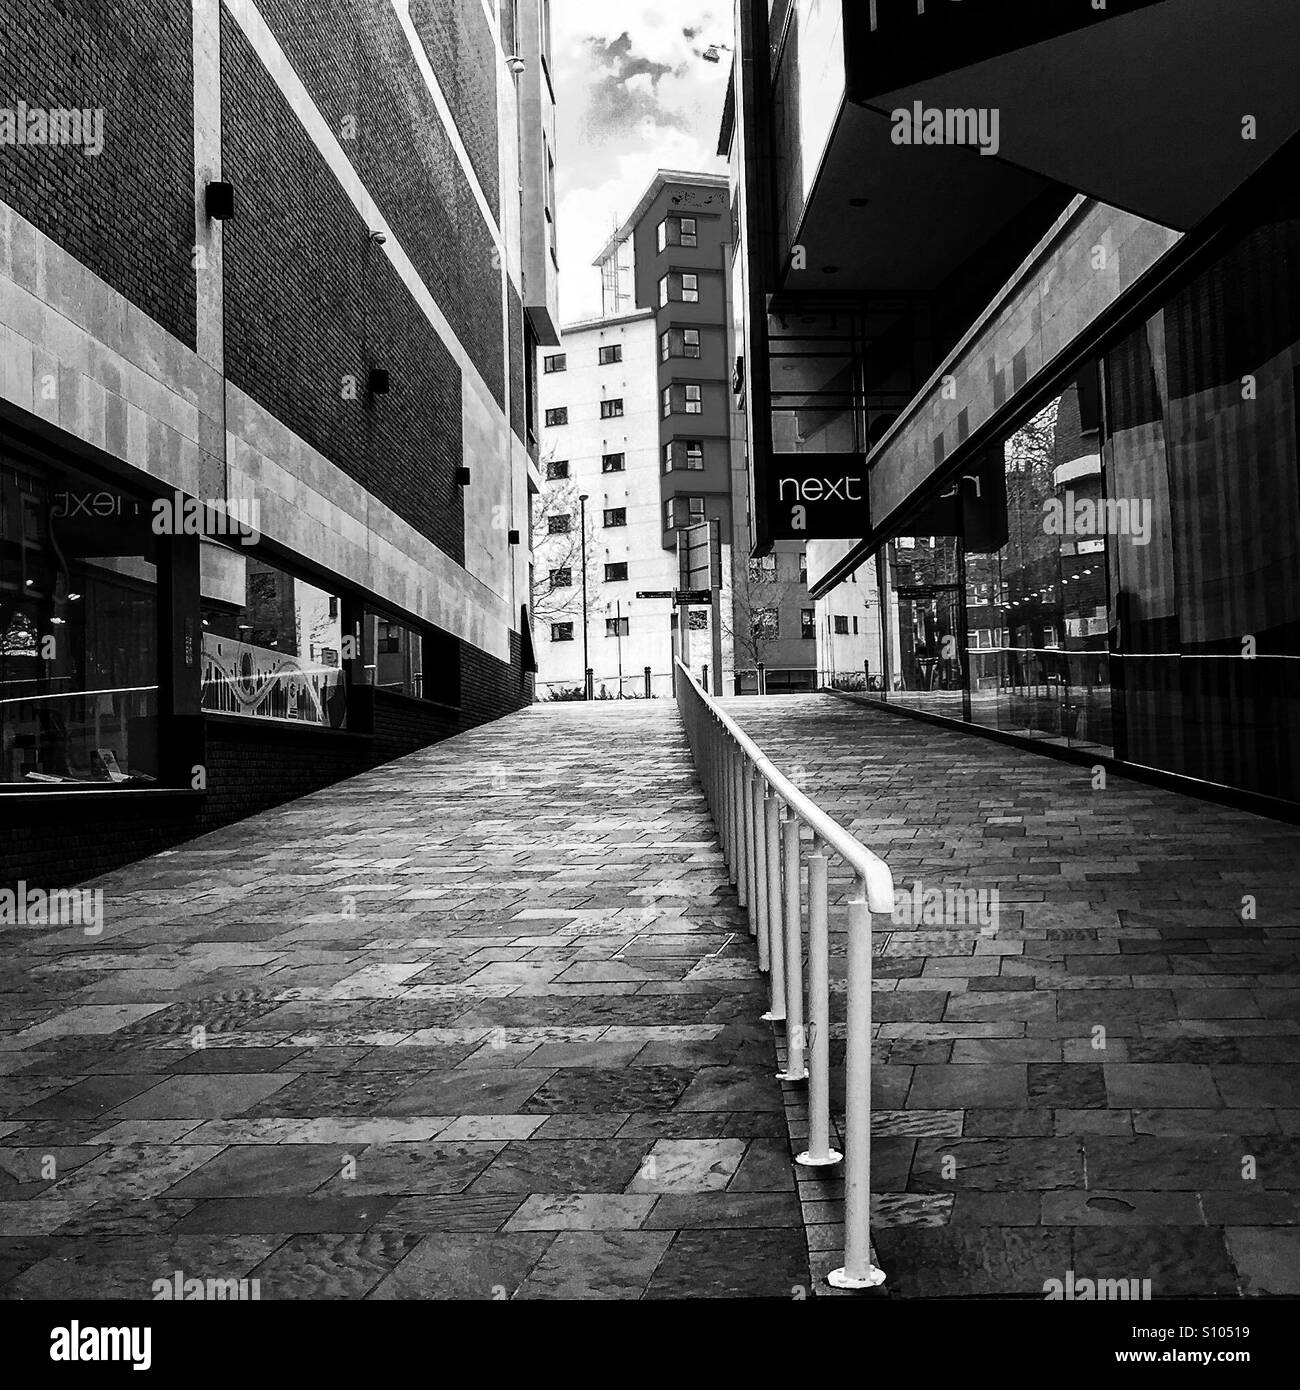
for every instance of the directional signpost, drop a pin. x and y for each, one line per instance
(699, 551)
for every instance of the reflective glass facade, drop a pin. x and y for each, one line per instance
(1120, 573)
(78, 628)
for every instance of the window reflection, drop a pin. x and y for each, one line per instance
(78, 628)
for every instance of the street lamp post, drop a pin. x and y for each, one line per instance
(586, 680)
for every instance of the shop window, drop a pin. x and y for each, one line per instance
(393, 656)
(271, 650)
(79, 616)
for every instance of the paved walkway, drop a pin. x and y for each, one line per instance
(1105, 1078)
(481, 1023)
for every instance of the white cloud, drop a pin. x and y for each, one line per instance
(634, 95)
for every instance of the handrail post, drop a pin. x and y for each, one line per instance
(742, 830)
(819, 1153)
(775, 930)
(858, 1272)
(795, 1067)
(759, 899)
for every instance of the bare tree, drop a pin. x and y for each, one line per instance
(557, 555)
(749, 620)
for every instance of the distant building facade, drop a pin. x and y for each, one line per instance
(668, 270)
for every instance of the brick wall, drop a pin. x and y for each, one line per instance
(128, 212)
(461, 52)
(356, 63)
(309, 302)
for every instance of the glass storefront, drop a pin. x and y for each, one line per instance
(392, 656)
(78, 628)
(1121, 572)
(272, 643)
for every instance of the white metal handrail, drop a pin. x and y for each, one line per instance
(758, 812)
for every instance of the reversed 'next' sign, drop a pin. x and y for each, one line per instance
(819, 497)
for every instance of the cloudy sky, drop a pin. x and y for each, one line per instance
(634, 95)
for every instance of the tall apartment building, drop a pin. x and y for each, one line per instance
(599, 407)
(667, 272)
(1021, 342)
(272, 275)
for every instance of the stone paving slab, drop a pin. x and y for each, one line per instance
(481, 1023)
(1105, 1075)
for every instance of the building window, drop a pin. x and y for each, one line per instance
(270, 648)
(79, 628)
(680, 286)
(683, 511)
(613, 463)
(616, 573)
(766, 624)
(561, 632)
(557, 469)
(615, 516)
(679, 342)
(855, 627)
(558, 416)
(763, 570)
(803, 567)
(392, 656)
(562, 578)
(841, 626)
(808, 624)
(555, 362)
(611, 409)
(683, 398)
(558, 525)
(694, 452)
(613, 353)
(678, 231)
(616, 627)
(684, 454)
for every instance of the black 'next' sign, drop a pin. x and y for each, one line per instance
(817, 497)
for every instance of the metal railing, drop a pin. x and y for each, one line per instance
(759, 814)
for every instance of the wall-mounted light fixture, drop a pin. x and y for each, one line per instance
(379, 381)
(219, 200)
(516, 64)
(377, 237)
(462, 476)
